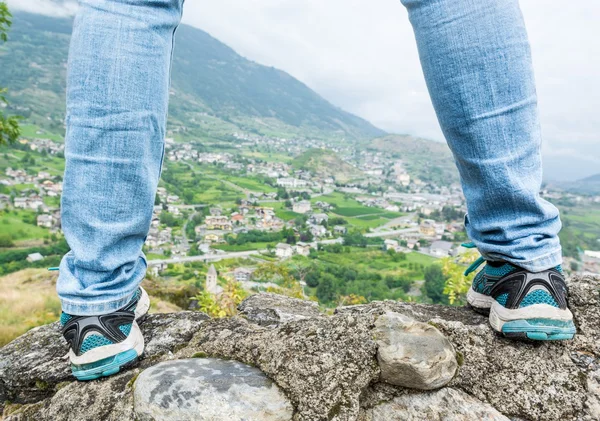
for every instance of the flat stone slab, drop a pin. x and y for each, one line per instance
(206, 389)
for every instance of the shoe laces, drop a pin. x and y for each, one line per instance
(475, 265)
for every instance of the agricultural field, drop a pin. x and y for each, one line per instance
(21, 226)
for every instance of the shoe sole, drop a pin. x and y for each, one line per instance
(538, 322)
(106, 367)
(108, 360)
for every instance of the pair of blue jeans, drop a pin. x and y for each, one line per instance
(476, 60)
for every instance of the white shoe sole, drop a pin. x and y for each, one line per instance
(500, 315)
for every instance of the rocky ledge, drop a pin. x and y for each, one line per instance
(281, 359)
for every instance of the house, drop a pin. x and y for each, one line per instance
(340, 229)
(441, 248)
(212, 238)
(428, 227)
(243, 274)
(391, 245)
(218, 223)
(34, 257)
(284, 251)
(215, 211)
(403, 179)
(291, 183)
(45, 220)
(303, 206)
(210, 285)
(237, 217)
(318, 218)
(303, 249)
(318, 230)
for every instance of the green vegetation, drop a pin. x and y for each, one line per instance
(21, 225)
(581, 229)
(9, 126)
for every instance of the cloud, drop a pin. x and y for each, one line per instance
(45, 7)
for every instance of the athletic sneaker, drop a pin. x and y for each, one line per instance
(522, 304)
(102, 345)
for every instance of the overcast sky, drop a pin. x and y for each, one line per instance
(361, 56)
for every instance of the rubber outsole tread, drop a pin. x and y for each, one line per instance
(117, 363)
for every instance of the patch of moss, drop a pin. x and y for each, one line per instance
(10, 408)
(133, 379)
(460, 358)
(40, 384)
(433, 324)
(200, 355)
(61, 385)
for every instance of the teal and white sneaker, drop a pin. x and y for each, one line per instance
(102, 345)
(522, 304)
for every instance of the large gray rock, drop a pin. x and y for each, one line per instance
(413, 354)
(443, 405)
(267, 309)
(327, 366)
(206, 389)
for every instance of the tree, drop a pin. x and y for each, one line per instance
(435, 281)
(9, 126)
(326, 289)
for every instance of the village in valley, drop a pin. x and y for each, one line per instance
(222, 213)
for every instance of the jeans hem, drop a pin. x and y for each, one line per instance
(538, 264)
(78, 308)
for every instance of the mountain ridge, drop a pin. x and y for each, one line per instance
(208, 77)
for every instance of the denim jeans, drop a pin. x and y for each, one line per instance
(477, 64)
(117, 95)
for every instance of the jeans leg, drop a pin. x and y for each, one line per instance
(117, 94)
(477, 63)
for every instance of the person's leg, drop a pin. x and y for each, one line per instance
(477, 63)
(117, 94)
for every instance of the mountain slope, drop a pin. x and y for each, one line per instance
(215, 90)
(326, 163)
(425, 159)
(588, 185)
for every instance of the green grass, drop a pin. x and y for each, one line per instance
(244, 247)
(12, 223)
(155, 256)
(378, 260)
(29, 131)
(249, 184)
(282, 212)
(369, 217)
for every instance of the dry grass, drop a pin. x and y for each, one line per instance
(28, 299)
